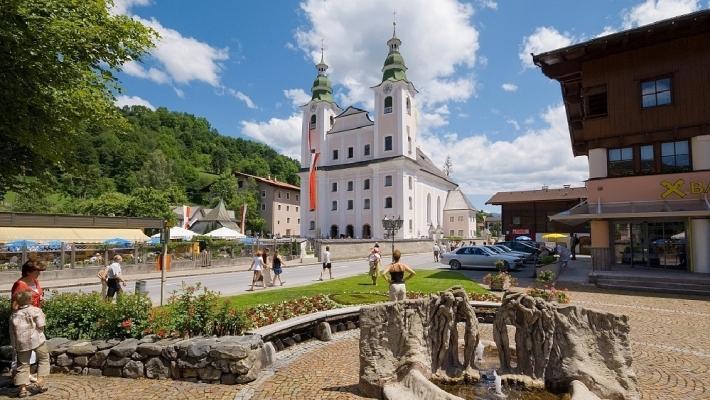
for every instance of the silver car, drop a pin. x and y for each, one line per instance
(497, 250)
(478, 256)
(509, 251)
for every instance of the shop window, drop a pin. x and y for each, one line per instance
(648, 161)
(388, 202)
(388, 180)
(388, 104)
(675, 156)
(388, 143)
(366, 151)
(655, 92)
(620, 161)
(595, 101)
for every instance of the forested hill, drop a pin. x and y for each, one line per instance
(172, 153)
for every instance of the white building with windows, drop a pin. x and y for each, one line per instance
(368, 168)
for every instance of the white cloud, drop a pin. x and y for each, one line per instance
(179, 92)
(438, 43)
(122, 101)
(186, 59)
(123, 7)
(242, 97)
(608, 30)
(488, 4)
(545, 38)
(298, 97)
(655, 10)
(133, 68)
(514, 123)
(284, 135)
(535, 158)
(509, 87)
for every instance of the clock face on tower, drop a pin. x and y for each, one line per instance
(387, 89)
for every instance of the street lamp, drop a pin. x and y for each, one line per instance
(392, 226)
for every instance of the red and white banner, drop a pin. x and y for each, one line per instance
(312, 181)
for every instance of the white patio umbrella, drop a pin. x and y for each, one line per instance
(225, 233)
(178, 233)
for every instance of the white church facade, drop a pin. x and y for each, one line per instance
(355, 170)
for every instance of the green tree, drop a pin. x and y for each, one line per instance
(248, 196)
(111, 203)
(224, 188)
(149, 202)
(56, 63)
(156, 171)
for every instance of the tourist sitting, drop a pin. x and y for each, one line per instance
(396, 277)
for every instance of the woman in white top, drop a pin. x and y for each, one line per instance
(257, 265)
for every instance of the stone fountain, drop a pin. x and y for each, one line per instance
(407, 346)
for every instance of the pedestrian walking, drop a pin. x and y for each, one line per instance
(436, 249)
(574, 241)
(114, 278)
(29, 282)
(103, 277)
(564, 256)
(257, 265)
(27, 324)
(277, 263)
(374, 260)
(396, 277)
(326, 264)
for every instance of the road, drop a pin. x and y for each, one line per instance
(232, 283)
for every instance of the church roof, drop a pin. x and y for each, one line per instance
(427, 165)
(350, 119)
(457, 200)
(218, 213)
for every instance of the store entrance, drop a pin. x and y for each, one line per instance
(651, 244)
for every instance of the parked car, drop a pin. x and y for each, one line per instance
(479, 256)
(500, 249)
(496, 250)
(520, 246)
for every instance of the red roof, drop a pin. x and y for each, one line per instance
(522, 196)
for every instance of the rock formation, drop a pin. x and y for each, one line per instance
(560, 344)
(419, 335)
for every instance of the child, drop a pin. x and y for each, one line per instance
(277, 263)
(27, 335)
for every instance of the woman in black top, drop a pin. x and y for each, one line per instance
(276, 264)
(394, 274)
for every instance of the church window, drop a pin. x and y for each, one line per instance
(428, 208)
(388, 180)
(279, 208)
(411, 205)
(332, 121)
(288, 220)
(388, 202)
(288, 208)
(388, 143)
(334, 206)
(350, 152)
(312, 225)
(388, 104)
(313, 122)
(411, 226)
(410, 182)
(350, 186)
(367, 150)
(451, 219)
(460, 219)
(366, 184)
(350, 204)
(409, 106)
(409, 143)
(335, 154)
(334, 187)
(366, 204)
(438, 209)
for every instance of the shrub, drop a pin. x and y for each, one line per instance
(5, 312)
(267, 314)
(545, 276)
(498, 278)
(544, 260)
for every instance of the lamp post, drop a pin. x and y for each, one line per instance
(392, 226)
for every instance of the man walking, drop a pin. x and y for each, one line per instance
(574, 241)
(114, 278)
(326, 264)
(437, 249)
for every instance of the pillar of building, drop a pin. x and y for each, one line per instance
(600, 248)
(699, 239)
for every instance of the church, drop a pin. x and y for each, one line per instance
(357, 170)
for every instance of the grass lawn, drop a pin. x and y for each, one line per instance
(358, 289)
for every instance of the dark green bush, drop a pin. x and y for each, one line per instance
(544, 260)
(4, 321)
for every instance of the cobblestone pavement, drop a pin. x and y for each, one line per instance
(670, 344)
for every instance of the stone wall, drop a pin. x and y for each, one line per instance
(348, 249)
(227, 360)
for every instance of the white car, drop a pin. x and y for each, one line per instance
(478, 256)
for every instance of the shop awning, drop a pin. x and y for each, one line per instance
(70, 235)
(586, 211)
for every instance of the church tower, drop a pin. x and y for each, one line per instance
(318, 115)
(395, 111)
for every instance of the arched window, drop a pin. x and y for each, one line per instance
(349, 232)
(438, 210)
(388, 104)
(428, 208)
(366, 232)
(409, 107)
(332, 121)
(313, 122)
(388, 202)
(334, 231)
(410, 183)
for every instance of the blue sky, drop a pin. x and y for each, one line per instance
(246, 65)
